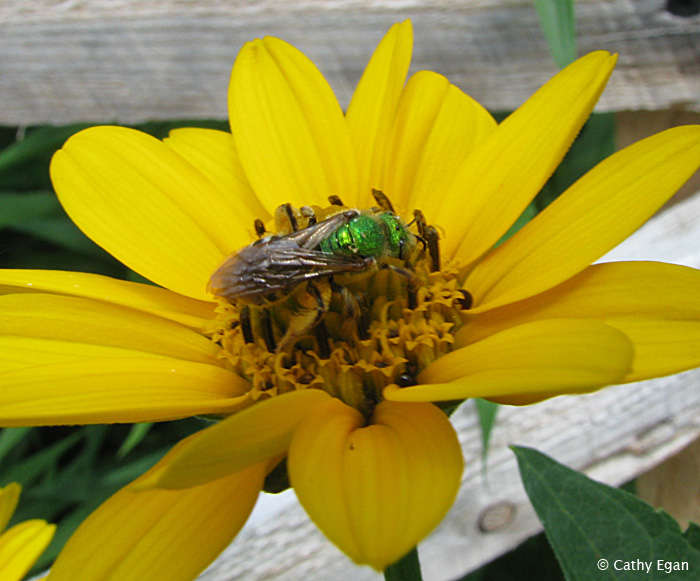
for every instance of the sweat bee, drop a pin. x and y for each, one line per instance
(273, 267)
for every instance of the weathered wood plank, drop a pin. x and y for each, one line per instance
(613, 435)
(130, 61)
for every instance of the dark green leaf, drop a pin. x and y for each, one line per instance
(595, 142)
(600, 532)
(559, 27)
(37, 142)
(16, 209)
(63, 232)
(528, 214)
(10, 437)
(39, 463)
(692, 535)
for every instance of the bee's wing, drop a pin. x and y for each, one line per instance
(312, 236)
(277, 266)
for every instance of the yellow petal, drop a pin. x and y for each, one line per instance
(63, 382)
(377, 490)
(661, 347)
(655, 304)
(289, 130)
(371, 112)
(495, 184)
(526, 363)
(9, 496)
(168, 535)
(142, 297)
(89, 321)
(21, 546)
(436, 127)
(145, 205)
(596, 213)
(260, 432)
(214, 154)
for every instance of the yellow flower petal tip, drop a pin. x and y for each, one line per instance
(376, 490)
(249, 437)
(21, 545)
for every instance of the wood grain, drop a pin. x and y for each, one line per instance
(130, 61)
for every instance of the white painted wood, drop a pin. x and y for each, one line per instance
(132, 60)
(612, 435)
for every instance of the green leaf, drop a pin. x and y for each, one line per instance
(528, 214)
(136, 434)
(18, 208)
(9, 438)
(600, 532)
(39, 463)
(487, 411)
(37, 142)
(559, 26)
(692, 535)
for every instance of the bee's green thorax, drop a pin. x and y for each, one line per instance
(362, 236)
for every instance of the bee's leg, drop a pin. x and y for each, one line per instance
(259, 227)
(411, 280)
(430, 236)
(285, 211)
(246, 327)
(318, 325)
(309, 214)
(383, 201)
(354, 307)
(266, 330)
(334, 200)
(308, 308)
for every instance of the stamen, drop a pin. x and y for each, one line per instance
(350, 333)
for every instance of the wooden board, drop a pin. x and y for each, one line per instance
(129, 60)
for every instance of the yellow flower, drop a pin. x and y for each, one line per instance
(21, 545)
(373, 461)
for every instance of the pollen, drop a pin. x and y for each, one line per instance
(350, 334)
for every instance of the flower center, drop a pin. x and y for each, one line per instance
(339, 299)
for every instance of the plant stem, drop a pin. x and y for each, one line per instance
(405, 569)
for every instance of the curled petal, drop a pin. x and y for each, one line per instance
(526, 363)
(376, 490)
(48, 382)
(260, 432)
(653, 303)
(46, 316)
